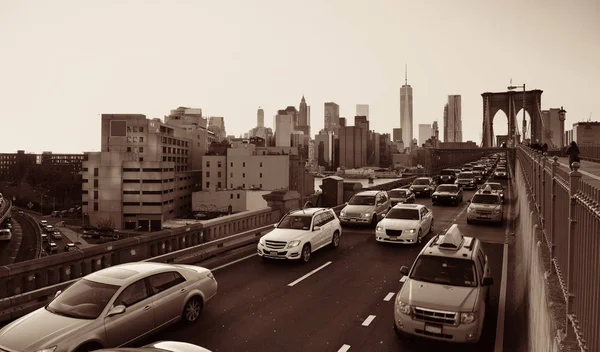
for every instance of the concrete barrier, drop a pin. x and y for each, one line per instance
(16, 306)
(539, 290)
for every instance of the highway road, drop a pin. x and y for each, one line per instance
(346, 305)
(23, 243)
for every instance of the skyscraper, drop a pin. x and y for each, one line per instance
(362, 110)
(425, 132)
(397, 135)
(304, 118)
(331, 117)
(260, 117)
(453, 119)
(284, 122)
(406, 109)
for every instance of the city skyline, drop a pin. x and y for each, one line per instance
(128, 67)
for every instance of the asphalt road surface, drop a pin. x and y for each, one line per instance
(256, 309)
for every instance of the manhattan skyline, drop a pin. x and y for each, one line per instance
(65, 63)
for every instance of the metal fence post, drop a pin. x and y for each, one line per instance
(574, 177)
(553, 215)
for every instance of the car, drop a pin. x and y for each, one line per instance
(57, 235)
(485, 206)
(466, 179)
(44, 238)
(366, 208)
(496, 187)
(5, 234)
(43, 223)
(301, 232)
(52, 247)
(405, 223)
(49, 228)
(479, 172)
(70, 247)
(447, 194)
(447, 176)
(21, 212)
(161, 346)
(422, 186)
(401, 195)
(112, 307)
(446, 291)
(500, 172)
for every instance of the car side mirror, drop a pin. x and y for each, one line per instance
(488, 281)
(57, 293)
(120, 309)
(404, 270)
(275, 225)
(316, 228)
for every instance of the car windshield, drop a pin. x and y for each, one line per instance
(445, 271)
(465, 175)
(446, 188)
(397, 194)
(478, 168)
(84, 299)
(295, 222)
(501, 169)
(362, 200)
(447, 172)
(485, 199)
(403, 214)
(494, 186)
(421, 181)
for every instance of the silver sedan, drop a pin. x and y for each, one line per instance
(113, 307)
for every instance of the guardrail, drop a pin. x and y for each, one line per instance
(16, 306)
(6, 209)
(569, 210)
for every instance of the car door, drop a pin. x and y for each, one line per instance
(169, 292)
(427, 217)
(138, 318)
(317, 236)
(327, 227)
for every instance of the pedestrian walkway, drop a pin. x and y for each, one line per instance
(589, 169)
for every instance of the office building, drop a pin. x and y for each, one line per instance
(216, 124)
(397, 135)
(283, 128)
(425, 132)
(260, 117)
(453, 119)
(331, 117)
(406, 110)
(362, 110)
(353, 147)
(553, 127)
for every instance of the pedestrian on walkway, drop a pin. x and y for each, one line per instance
(573, 153)
(545, 148)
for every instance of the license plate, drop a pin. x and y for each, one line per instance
(433, 329)
(394, 238)
(273, 253)
(352, 219)
(484, 216)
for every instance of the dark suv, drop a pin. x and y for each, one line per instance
(447, 176)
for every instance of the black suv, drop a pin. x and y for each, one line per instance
(447, 176)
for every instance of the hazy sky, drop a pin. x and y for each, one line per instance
(63, 63)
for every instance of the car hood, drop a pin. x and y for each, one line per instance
(485, 206)
(354, 209)
(420, 186)
(398, 224)
(437, 296)
(464, 180)
(285, 235)
(40, 329)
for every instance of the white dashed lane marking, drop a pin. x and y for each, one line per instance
(389, 296)
(344, 348)
(369, 320)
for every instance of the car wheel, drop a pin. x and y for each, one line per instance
(420, 237)
(192, 310)
(335, 240)
(431, 226)
(374, 221)
(88, 347)
(306, 253)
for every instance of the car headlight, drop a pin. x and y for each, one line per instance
(47, 349)
(366, 215)
(293, 244)
(470, 210)
(471, 181)
(412, 230)
(262, 241)
(380, 228)
(467, 318)
(496, 211)
(402, 307)
(343, 212)
(456, 182)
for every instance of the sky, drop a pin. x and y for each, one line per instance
(64, 63)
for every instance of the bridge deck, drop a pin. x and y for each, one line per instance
(589, 169)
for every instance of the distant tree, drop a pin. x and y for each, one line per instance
(105, 223)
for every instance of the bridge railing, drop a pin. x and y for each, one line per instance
(590, 151)
(569, 210)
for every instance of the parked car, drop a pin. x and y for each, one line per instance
(423, 186)
(447, 194)
(446, 292)
(401, 195)
(367, 207)
(405, 223)
(300, 233)
(112, 307)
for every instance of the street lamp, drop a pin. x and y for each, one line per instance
(511, 87)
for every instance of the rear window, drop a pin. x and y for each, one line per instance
(447, 172)
(466, 175)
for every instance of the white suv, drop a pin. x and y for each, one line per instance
(301, 232)
(486, 205)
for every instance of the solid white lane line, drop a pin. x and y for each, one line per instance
(309, 274)
(233, 262)
(369, 320)
(344, 348)
(389, 296)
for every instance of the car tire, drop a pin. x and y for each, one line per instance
(335, 239)
(419, 237)
(431, 227)
(192, 310)
(469, 221)
(305, 256)
(374, 221)
(88, 347)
